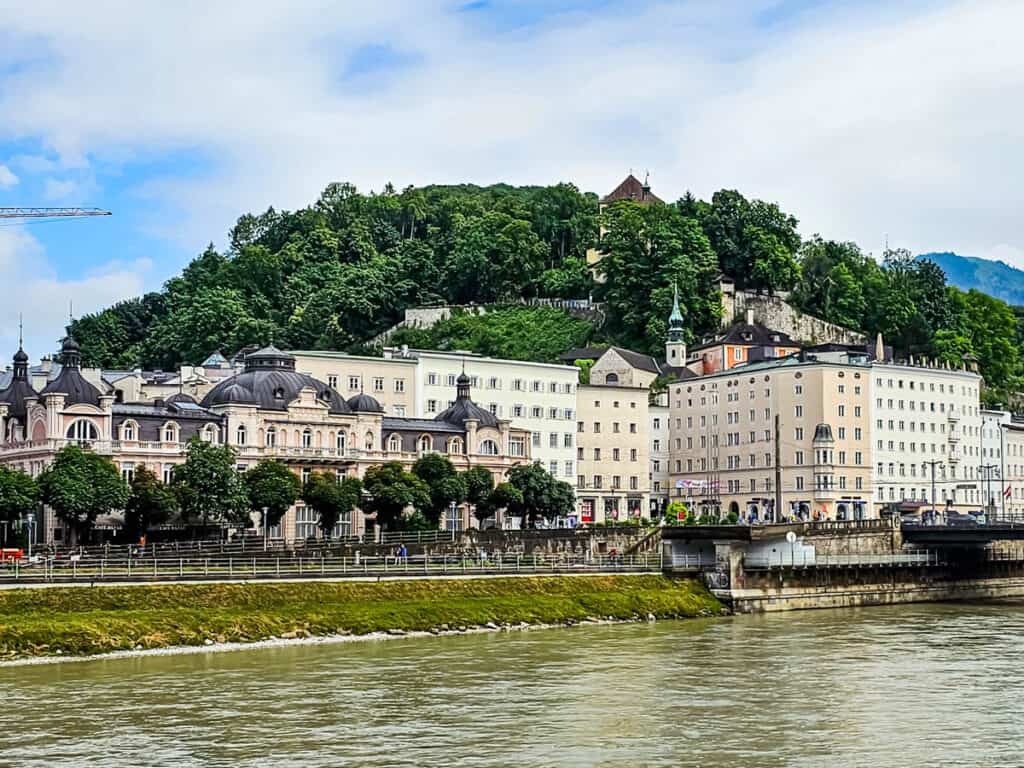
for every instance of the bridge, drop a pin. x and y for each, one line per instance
(961, 535)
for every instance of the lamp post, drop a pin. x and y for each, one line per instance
(265, 512)
(30, 519)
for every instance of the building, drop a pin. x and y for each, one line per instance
(614, 438)
(266, 410)
(390, 380)
(792, 431)
(740, 343)
(927, 434)
(660, 477)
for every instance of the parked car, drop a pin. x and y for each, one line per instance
(960, 519)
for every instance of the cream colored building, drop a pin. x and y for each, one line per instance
(925, 419)
(390, 380)
(660, 478)
(614, 438)
(803, 420)
(538, 397)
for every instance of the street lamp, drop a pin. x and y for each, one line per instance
(30, 518)
(266, 510)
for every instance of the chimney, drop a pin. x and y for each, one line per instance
(750, 316)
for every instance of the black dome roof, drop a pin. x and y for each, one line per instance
(15, 395)
(180, 397)
(270, 381)
(20, 356)
(465, 409)
(73, 385)
(363, 403)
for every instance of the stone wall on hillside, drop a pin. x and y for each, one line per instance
(776, 313)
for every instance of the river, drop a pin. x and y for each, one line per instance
(914, 685)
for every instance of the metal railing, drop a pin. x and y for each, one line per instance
(231, 568)
(807, 559)
(682, 561)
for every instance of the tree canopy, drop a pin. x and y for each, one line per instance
(209, 488)
(80, 486)
(390, 490)
(19, 494)
(271, 486)
(331, 498)
(150, 503)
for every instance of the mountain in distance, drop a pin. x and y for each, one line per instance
(995, 278)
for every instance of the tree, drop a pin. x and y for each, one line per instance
(504, 496)
(495, 257)
(331, 497)
(445, 484)
(270, 485)
(542, 495)
(150, 503)
(80, 486)
(19, 495)
(390, 490)
(479, 484)
(209, 488)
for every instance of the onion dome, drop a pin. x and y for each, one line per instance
(19, 390)
(363, 403)
(180, 397)
(465, 409)
(271, 382)
(70, 382)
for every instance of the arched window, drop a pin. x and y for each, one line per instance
(169, 434)
(611, 378)
(368, 441)
(271, 437)
(425, 444)
(488, 448)
(456, 446)
(307, 438)
(394, 444)
(340, 442)
(83, 430)
(240, 435)
(210, 434)
(129, 431)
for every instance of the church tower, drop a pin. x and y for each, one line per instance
(675, 347)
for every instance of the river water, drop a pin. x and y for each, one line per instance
(903, 686)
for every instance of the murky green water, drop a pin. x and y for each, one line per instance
(906, 686)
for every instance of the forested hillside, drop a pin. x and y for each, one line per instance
(995, 278)
(335, 274)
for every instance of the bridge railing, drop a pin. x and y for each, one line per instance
(810, 559)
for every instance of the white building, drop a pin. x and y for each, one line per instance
(659, 453)
(539, 397)
(927, 420)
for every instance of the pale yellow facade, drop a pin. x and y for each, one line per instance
(390, 381)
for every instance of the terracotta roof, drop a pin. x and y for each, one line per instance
(632, 188)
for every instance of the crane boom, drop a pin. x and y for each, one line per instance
(50, 213)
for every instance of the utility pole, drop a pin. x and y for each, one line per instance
(989, 506)
(778, 468)
(932, 465)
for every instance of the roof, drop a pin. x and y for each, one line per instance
(399, 423)
(631, 188)
(583, 353)
(638, 360)
(679, 372)
(363, 403)
(74, 386)
(748, 334)
(15, 393)
(166, 411)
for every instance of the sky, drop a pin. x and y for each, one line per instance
(868, 120)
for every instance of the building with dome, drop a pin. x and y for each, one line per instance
(265, 410)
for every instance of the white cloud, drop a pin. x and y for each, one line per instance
(866, 123)
(35, 290)
(7, 177)
(58, 189)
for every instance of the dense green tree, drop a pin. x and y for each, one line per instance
(649, 250)
(19, 495)
(271, 486)
(755, 241)
(209, 488)
(80, 486)
(504, 496)
(479, 485)
(446, 485)
(331, 497)
(543, 496)
(495, 257)
(150, 503)
(390, 490)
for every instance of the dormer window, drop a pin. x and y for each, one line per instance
(747, 335)
(169, 433)
(394, 444)
(279, 393)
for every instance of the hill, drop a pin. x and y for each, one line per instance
(996, 278)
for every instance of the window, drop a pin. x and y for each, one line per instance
(332, 380)
(127, 471)
(488, 448)
(424, 445)
(169, 433)
(168, 474)
(798, 411)
(517, 385)
(632, 427)
(799, 483)
(270, 439)
(517, 447)
(842, 410)
(399, 385)
(568, 469)
(432, 379)
(611, 378)
(517, 410)
(455, 446)
(567, 440)
(799, 458)
(537, 412)
(394, 444)
(399, 410)
(615, 427)
(597, 481)
(368, 441)
(451, 379)
(553, 468)
(307, 438)
(597, 427)
(632, 454)
(634, 482)
(240, 436)
(536, 439)
(657, 423)
(492, 383)
(340, 442)
(128, 431)
(615, 454)
(210, 434)
(552, 413)
(431, 406)
(553, 440)
(353, 382)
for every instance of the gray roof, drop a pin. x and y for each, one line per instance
(166, 411)
(363, 403)
(464, 409)
(399, 423)
(752, 334)
(638, 360)
(74, 386)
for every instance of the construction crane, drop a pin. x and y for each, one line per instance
(50, 213)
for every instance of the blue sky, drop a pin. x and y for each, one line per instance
(864, 119)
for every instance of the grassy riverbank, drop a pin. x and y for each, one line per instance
(90, 620)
